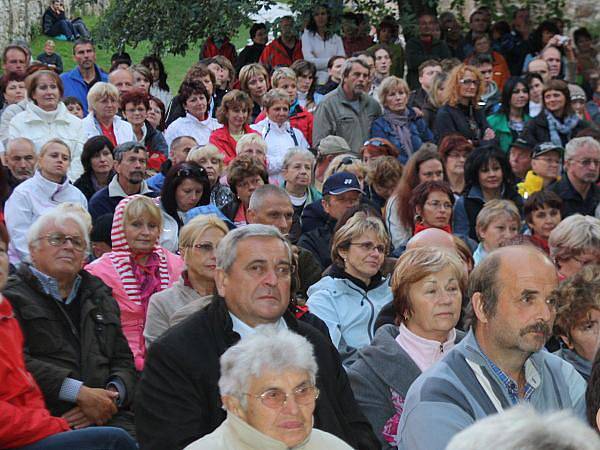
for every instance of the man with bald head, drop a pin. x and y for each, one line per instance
(122, 79)
(432, 237)
(271, 205)
(20, 158)
(501, 361)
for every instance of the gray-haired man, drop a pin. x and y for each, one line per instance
(179, 401)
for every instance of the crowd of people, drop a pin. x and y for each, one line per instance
(357, 240)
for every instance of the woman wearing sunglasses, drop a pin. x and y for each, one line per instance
(349, 299)
(460, 112)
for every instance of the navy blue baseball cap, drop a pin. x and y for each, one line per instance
(340, 183)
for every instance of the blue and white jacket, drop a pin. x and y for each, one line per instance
(463, 388)
(349, 309)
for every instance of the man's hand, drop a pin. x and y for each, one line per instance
(98, 405)
(76, 418)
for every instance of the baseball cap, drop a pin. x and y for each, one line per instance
(576, 93)
(521, 143)
(546, 147)
(333, 145)
(340, 183)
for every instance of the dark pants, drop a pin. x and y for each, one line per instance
(92, 438)
(62, 27)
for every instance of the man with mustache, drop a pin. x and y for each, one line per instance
(130, 167)
(20, 158)
(178, 401)
(501, 361)
(348, 111)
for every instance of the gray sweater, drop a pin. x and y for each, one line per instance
(380, 378)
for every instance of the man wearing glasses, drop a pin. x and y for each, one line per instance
(179, 401)
(74, 344)
(577, 188)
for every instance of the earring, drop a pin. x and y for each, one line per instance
(418, 218)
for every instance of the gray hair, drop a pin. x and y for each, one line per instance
(259, 196)
(294, 152)
(273, 96)
(573, 236)
(227, 249)
(269, 349)
(99, 91)
(576, 143)
(57, 217)
(347, 67)
(22, 140)
(125, 147)
(522, 428)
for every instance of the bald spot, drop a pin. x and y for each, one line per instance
(431, 237)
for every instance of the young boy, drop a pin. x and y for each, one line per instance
(542, 214)
(74, 106)
(50, 57)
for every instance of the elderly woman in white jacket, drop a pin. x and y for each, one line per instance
(268, 387)
(48, 188)
(46, 117)
(103, 103)
(319, 44)
(277, 131)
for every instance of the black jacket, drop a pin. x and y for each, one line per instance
(250, 54)
(536, 130)
(572, 202)
(155, 141)
(470, 122)
(318, 242)
(85, 185)
(49, 18)
(55, 349)
(178, 399)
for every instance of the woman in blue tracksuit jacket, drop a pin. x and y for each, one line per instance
(350, 297)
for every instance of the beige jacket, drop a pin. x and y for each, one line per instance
(235, 434)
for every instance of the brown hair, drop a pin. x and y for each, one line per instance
(233, 99)
(137, 97)
(421, 193)
(34, 79)
(245, 166)
(562, 87)
(384, 171)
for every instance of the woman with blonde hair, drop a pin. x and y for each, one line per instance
(209, 157)
(48, 188)
(461, 112)
(399, 124)
(102, 119)
(254, 81)
(193, 290)
(427, 286)
(137, 266)
(498, 221)
(349, 299)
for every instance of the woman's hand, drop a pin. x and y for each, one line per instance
(488, 134)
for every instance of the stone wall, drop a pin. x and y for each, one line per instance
(20, 17)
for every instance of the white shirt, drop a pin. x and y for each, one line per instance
(245, 330)
(279, 139)
(319, 51)
(122, 129)
(191, 126)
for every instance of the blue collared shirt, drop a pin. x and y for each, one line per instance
(511, 386)
(50, 286)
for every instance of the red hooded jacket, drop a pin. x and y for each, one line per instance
(275, 54)
(222, 139)
(210, 50)
(25, 419)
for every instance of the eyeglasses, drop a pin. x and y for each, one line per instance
(276, 398)
(466, 82)
(205, 247)
(59, 239)
(588, 162)
(254, 182)
(435, 204)
(191, 172)
(369, 247)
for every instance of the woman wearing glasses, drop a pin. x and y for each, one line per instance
(186, 186)
(137, 266)
(349, 299)
(427, 285)
(194, 289)
(268, 387)
(461, 113)
(431, 205)
(48, 187)
(399, 123)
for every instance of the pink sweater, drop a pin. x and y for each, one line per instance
(133, 319)
(424, 352)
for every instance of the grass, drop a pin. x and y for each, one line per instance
(176, 66)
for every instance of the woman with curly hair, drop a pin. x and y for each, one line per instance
(577, 321)
(461, 112)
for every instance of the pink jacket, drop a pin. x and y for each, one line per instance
(133, 319)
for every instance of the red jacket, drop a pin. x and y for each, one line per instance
(222, 139)
(302, 119)
(210, 49)
(275, 54)
(24, 418)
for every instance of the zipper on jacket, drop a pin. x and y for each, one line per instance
(441, 348)
(372, 316)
